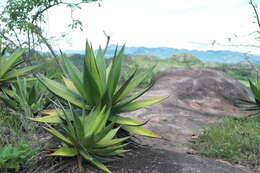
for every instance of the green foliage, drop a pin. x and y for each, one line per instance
(186, 59)
(99, 84)
(26, 98)
(253, 104)
(24, 17)
(10, 70)
(14, 157)
(89, 136)
(242, 71)
(233, 140)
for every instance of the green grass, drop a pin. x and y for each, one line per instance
(237, 141)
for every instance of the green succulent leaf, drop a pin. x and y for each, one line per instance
(64, 92)
(255, 90)
(132, 83)
(17, 72)
(114, 73)
(5, 67)
(140, 104)
(65, 152)
(95, 162)
(48, 119)
(58, 135)
(140, 130)
(125, 120)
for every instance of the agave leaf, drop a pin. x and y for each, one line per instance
(101, 64)
(253, 108)
(247, 101)
(96, 121)
(78, 125)
(125, 120)
(106, 143)
(65, 152)
(48, 119)
(10, 93)
(9, 102)
(255, 90)
(17, 72)
(132, 83)
(76, 78)
(95, 162)
(70, 85)
(140, 104)
(64, 92)
(92, 90)
(58, 135)
(125, 101)
(117, 152)
(32, 97)
(103, 132)
(110, 149)
(110, 135)
(91, 77)
(114, 73)
(140, 130)
(102, 120)
(51, 112)
(10, 61)
(89, 141)
(124, 88)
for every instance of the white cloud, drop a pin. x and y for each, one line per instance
(153, 23)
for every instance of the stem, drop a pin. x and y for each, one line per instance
(81, 169)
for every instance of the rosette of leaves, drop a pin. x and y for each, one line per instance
(88, 136)
(253, 104)
(9, 67)
(24, 96)
(99, 84)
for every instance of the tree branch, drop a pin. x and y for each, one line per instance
(251, 2)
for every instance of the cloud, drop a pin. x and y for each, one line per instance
(153, 23)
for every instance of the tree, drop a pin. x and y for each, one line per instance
(20, 21)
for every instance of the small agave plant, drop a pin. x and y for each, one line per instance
(23, 96)
(89, 136)
(253, 104)
(98, 84)
(9, 67)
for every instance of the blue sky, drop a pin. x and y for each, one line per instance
(192, 24)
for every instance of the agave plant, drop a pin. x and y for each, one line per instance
(88, 136)
(253, 104)
(99, 84)
(9, 67)
(22, 96)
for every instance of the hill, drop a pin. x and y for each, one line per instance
(216, 56)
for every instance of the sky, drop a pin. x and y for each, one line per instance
(192, 24)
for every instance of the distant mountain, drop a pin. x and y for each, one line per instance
(217, 56)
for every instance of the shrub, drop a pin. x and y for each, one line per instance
(13, 157)
(99, 85)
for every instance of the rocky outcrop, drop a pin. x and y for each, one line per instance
(197, 97)
(161, 161)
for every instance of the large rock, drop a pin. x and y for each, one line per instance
(197, 97)
(162, 161)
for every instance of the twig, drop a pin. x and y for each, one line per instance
(255, 11)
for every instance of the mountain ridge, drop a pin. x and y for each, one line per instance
(215, 56)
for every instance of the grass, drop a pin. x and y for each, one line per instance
(237, 141)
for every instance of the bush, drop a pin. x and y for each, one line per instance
(233, 140)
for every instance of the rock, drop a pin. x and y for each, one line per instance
(197, 98)
(161, 161)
